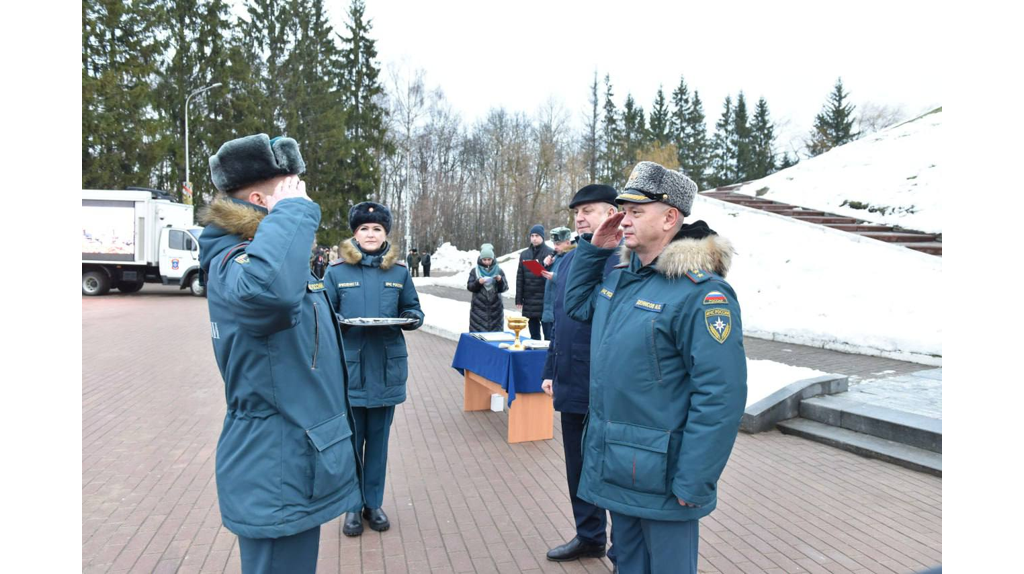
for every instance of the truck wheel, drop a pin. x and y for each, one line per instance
(95, 283)
(197, 288)
(126, 287)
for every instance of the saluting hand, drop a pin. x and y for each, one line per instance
(287, 188)
(608, 234)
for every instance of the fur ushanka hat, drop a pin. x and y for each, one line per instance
(369, 212)
(251, 159)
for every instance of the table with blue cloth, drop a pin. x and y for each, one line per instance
(516, 375)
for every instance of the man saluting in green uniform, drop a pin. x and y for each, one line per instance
(285, 459)
(668, 378)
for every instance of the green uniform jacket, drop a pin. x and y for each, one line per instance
(668, 377)
(285, 460)
(374, 285)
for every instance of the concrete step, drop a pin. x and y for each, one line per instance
(898, 236)
(824, 219)
(931, 247)
(855, 227)
(898, 426)
(865, 445)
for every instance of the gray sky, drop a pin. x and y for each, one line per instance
(521, 54)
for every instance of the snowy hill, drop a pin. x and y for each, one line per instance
(891, 177)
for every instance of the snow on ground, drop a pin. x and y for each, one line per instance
(449, 319)
(895, 170)
(807, 284)
(766, 377)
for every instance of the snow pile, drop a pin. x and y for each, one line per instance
(449, 258)
(890, 177)
(807, 284)
(449, 319)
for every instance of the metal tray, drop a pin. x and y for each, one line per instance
(378, 321)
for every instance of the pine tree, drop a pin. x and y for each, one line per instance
(833, 126)
(634, 135)
(610, 138)
(122, 140)
(590, 137)
(788, 161)
(660, 120)
(697, 159)
(367, 117)
(762, 142)
(679, 124)
(723, 150)
(315, 111)
(741, 135)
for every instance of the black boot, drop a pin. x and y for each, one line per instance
(376, 518)
(574, 549)
(353, 524)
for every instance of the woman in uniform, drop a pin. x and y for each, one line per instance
(369, 280)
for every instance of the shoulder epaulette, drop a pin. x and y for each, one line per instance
(338, 262)
(240, 248)
(698, 275)
(402, 263)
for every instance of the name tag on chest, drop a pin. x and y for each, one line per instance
(348, 285)
(392, 284)
(651, 306)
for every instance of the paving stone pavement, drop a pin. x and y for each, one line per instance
(460, 498)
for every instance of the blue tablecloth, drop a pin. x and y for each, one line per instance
(515, 371)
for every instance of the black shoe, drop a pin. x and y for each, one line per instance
(353, 524)
(574, 549)
(376, 518)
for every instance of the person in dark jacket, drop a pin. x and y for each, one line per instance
(487, 282)
(370, 281)
(285, 460)
(567, 376)
(562, 238)
(425, 261)
(530, 287)
(668, 374)
(413, 261)
(319, 263)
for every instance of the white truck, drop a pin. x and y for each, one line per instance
(137, 236)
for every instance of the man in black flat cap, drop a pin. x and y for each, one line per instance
(567, 377)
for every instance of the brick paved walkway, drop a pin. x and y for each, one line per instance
(460, 498)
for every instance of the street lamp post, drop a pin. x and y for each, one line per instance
(188, 181)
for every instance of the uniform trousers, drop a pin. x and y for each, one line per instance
(591, 521)
(372, 430)
(645, 546)
(295, 554)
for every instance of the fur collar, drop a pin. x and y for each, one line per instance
(350, 253)
(235, 217)
(712, 253)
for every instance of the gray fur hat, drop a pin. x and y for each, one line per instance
(251, 159)
(651, 182)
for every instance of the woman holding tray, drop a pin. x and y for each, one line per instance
(369, 281)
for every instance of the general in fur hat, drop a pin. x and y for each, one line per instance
(595, 192)
(252, 159)
(369, 212)
(651, 182)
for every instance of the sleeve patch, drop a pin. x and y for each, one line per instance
(243, 258)
(719, 323)
(715, 298)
